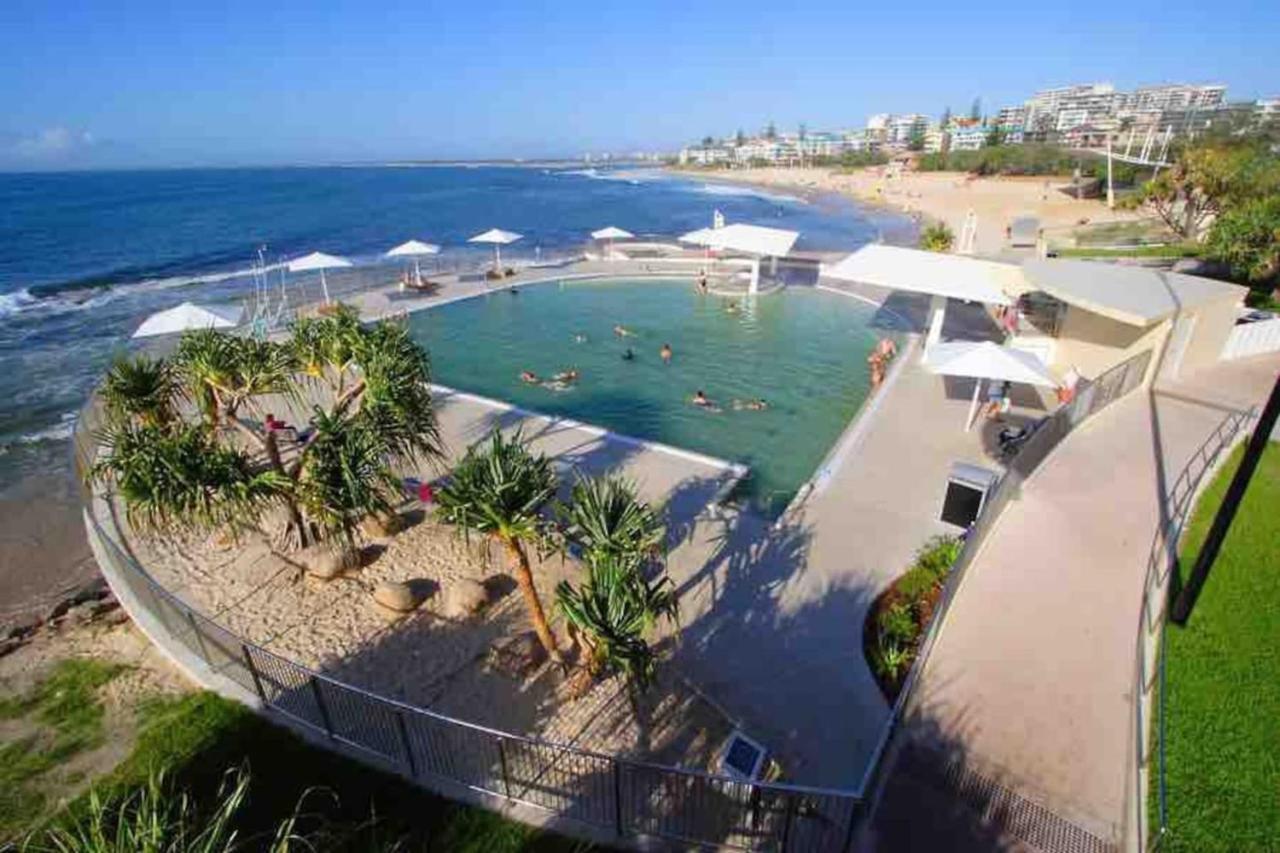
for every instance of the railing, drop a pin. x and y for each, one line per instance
(604, 795)
(1149, 642)
(1249, 339)
(1092, 397)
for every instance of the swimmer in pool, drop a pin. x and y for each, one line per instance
(529, 376)
(700, 400)
(622, 331)
(629, 355)
(566, 376)
(666, 353)
(579, 339)
(756, 405)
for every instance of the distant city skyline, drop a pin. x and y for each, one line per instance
(98, 85)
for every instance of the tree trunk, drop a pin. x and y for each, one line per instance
(524, 578)
(295, 514)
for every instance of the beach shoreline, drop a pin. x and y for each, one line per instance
(946, 197)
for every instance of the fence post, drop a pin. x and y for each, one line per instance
(502, 759)
(789, 815)
(324, 709)
(253, 671)
(617, 798)
(407, 744)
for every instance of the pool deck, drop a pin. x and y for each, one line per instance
(769, 610)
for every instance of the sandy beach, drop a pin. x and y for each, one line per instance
(943, 196)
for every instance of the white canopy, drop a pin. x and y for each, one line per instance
(412, 248)
(752, 239)
(611, 233)
(188, 316)
(317, 261)
(954, 276)
(496, 236)
(986, 360)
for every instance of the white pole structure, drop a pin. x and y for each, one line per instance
(973, 405)
(1111, 193)
(937, 314)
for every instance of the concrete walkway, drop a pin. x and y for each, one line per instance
(1030, 682)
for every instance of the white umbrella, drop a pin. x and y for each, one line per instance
(318, 261)
(188, 316)
(414, 249)
(498, 238)
(987, 360)
(611, 233)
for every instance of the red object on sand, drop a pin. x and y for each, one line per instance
(425, 493)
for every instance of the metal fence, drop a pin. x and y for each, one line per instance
(607, 795)
(1162, 562)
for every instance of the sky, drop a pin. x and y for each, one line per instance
(125, 83)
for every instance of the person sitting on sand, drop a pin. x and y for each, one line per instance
(622, 331)
(757, 405)
(530, 377)
(666, 353)
(629, 355)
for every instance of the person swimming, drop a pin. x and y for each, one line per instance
(622, 331)
(732, 307)
(757, 405)
(666, 353)
(530, 377)
(579, 339)
(629, 355)
(700, 400)
(566, 376)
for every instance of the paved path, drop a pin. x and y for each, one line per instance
(1030, 681)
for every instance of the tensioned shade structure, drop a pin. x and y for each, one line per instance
(611, 233)
(498, 238)
(189, 316)
(752, 239)
(990, 361)
(318, 261)
(414, 249)
(936, 273)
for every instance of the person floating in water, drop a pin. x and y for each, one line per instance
(622, 331)
(700, 400)
(886, 348)
(702, 280)
(570, 375)
(757, 405)
(876, 367)
(629, 355)
(530, 377)
(666, 353)
(732, 307)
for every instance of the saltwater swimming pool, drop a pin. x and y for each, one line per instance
(802, 350)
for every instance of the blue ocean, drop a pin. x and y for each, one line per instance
(85, 257)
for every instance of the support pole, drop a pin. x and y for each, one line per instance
(324, 285)
(1111, 193)
(1186, 600)
(755, 277)
(937, 313)
(973, 405)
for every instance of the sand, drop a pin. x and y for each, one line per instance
(944, 196)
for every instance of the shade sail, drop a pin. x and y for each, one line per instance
(987, 360)
(412, 248)
(611, 233)
(188, 316)
(317, 261)
(752, 239)
(954, 276)
(496, 236)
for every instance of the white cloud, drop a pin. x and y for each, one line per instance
(51, 143)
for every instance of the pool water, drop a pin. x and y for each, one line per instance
(802, 350)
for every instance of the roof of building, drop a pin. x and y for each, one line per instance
(955, 276)
(1138, 296)
(753, 239)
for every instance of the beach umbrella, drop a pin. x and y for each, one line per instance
(498, 238)
(318, 261)
(611, 233)
(414, 249)
(189, 316)
(990, 361)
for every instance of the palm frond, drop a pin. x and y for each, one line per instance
(606, 516)
(142, 389)
(499, 487)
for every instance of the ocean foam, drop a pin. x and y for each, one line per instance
(729, 190)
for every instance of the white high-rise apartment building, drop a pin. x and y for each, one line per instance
(1084, 104)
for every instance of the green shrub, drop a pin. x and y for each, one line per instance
(898, 624)
(938, 555)
(937, 238)
(891, 659)
(916, 584)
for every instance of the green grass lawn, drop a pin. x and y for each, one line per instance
(1175, 250)
(1222, 703)
(195, 738)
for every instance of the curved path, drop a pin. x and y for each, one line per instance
(1029, 685)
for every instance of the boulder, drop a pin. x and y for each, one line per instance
(325, 562)
(396, 597)
(463, 598)
(374, 527)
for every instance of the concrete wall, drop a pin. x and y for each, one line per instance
(1093, 343)
(1214, 323)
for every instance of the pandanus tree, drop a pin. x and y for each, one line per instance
(501, 489)
(371, 410)
(616, 606)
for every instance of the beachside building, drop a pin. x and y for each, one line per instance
(822, 144)
(859, 140)
(900, 130)
(969, 137)
(706, 155)
(935, 139)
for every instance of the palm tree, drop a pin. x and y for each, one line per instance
(614, 608)
(142, 390)
(500, 489)
(605, 516)
(345, 477)
(937, 238)
(178, 477)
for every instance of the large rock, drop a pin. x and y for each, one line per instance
(396, 597)
(463, 598)
(326, 562)
(374, 527)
